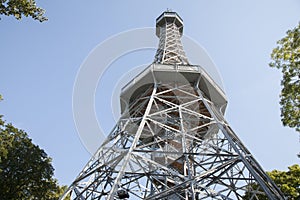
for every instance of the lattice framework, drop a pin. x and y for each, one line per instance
(172, 140)
(167, 146)
(170, 49)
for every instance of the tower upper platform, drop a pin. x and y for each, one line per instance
(169, 17)
(169, 29)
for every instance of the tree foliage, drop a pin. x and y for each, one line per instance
(25, 169)
(287, 181)
(19, 8)
(286, 57)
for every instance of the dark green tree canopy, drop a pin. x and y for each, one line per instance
(25, 169)
(286, 57)
(19, 8)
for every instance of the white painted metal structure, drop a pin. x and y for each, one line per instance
(172, 141)
(169, 29)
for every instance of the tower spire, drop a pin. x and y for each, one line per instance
(169, 29)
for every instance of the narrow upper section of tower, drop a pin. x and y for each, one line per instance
(169, 29)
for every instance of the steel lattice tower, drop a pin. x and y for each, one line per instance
(172, 140)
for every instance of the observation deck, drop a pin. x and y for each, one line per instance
(194, 75)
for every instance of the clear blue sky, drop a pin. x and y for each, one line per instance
(39, 63)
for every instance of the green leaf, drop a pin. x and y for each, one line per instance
(19, 8)
(286, 57)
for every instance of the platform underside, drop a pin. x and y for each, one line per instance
(192, 75)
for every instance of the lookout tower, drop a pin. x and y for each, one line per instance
(172, 140)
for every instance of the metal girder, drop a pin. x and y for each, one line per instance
(170, 152)
(172, 140)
